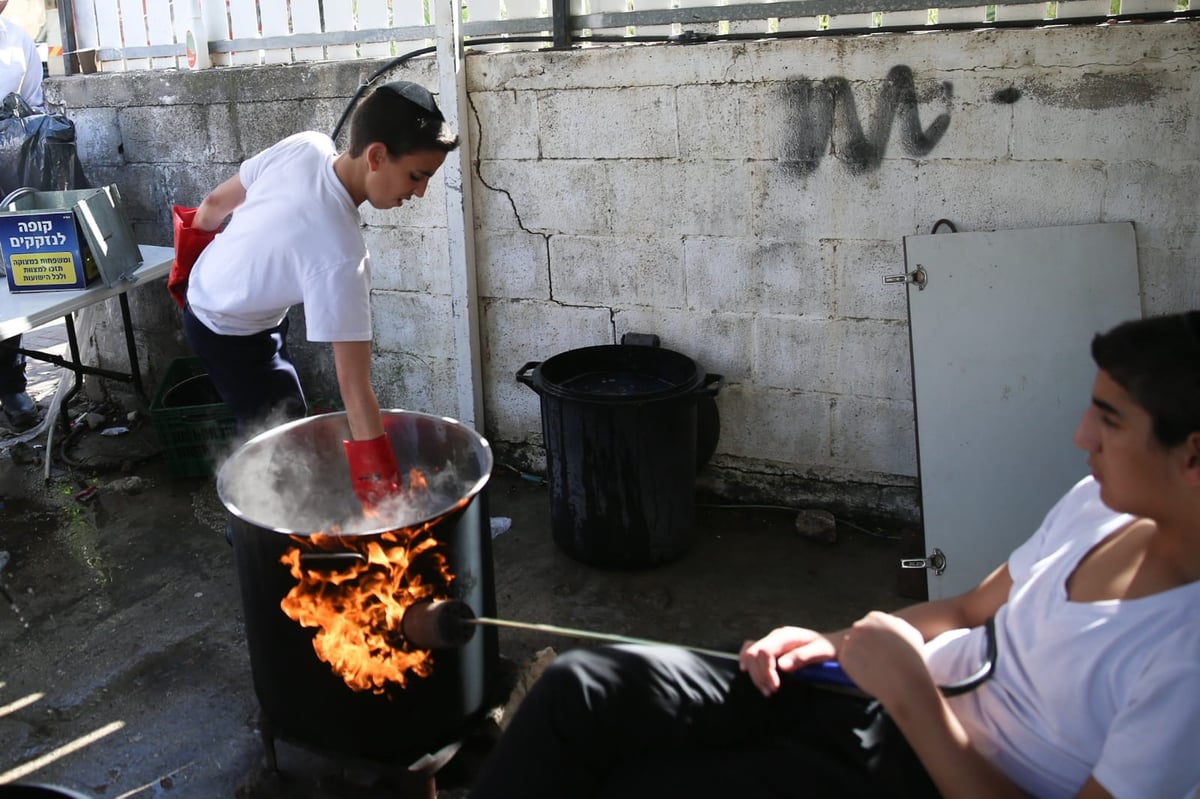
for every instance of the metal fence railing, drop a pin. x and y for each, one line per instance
(116, 35)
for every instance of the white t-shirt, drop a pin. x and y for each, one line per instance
(20, 65)
(296, 239)
(1110, 689)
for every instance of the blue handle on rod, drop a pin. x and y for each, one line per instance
(828, 671)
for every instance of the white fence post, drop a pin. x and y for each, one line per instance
(751, 25)
(406, 13)
(108, 30)
(133, 32)
(306, 18)
(339, 17)
(159, 30)
(481, 10)
(87, 36)
(216, 25)
(274, 17)
(654, 5)
(606, 7)
(243, 23)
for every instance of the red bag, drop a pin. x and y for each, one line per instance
(189, 243)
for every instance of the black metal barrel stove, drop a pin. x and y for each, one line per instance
(289, 489)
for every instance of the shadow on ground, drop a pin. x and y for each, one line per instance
(125, 670)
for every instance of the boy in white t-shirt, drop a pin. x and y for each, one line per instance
(295, 237)
(20, 63)
(1091, 629)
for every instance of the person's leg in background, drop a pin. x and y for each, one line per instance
(253, 374)
(19, 408)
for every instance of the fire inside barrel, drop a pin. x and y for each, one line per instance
(357, 605)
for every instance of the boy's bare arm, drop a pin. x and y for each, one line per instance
(219, 204)
(789, 648)
(943, 746)
(969, 609)
(885, 658)
(882, 653)
(352, 360)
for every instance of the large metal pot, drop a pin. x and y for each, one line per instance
(286, 486)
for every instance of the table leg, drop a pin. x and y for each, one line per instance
(135, 371)
(75, 365)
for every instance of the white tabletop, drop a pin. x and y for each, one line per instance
(26, 310)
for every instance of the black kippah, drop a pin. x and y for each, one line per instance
(416, 94)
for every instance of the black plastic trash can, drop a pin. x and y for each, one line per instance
(620, 429)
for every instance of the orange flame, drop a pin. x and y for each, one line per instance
(357, 607)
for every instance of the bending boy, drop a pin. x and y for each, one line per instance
(296, 237)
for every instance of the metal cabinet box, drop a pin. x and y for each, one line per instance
(55, 240)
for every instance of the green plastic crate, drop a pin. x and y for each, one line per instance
(193, 425)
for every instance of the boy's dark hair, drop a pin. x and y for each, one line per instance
(404, 117)
(1157, 360)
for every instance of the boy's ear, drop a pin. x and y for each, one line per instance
(376, 154)
(1191, 454)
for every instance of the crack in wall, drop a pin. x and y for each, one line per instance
(477, 164)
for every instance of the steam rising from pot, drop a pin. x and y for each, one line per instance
(295, 479)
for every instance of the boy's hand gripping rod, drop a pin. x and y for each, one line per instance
(447, 623)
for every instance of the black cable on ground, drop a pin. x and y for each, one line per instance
(66, 443)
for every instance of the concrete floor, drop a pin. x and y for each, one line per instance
(125, 670)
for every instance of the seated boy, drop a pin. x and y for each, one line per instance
(1095, 690)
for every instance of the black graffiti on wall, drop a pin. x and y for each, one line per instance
(824, 119)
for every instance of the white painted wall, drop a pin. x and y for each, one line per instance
(716, 195)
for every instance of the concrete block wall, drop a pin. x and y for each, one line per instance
(743, 200)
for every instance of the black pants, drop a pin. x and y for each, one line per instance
(635, 722)
(253, 374)
(12, 367)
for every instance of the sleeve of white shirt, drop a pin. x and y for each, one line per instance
(253, 166)
(31, 86)
(337, 303)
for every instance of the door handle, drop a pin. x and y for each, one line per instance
(918, 277)
(935, 561)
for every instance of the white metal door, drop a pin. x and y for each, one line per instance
(1001, 373)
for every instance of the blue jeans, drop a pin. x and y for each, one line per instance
(12, 367)
(253, 374)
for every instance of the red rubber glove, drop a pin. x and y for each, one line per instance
(373, 470)
(189, 243)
